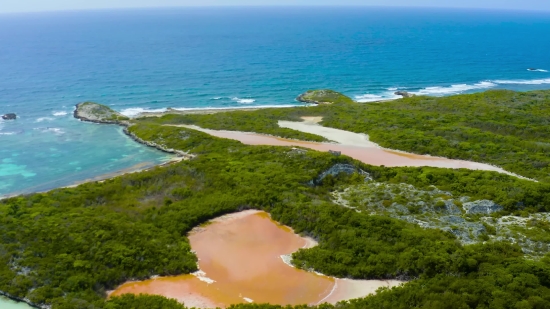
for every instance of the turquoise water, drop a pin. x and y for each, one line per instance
(6, 303)
(240, 57)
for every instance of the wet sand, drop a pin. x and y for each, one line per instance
(240, 257)
(355, 145)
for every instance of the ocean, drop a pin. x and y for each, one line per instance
(138, 60)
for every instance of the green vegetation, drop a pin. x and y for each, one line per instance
(237, 121)
(504, 128)
(67, 247)
(323, 96)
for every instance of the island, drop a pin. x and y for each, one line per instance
(323, 96)
(440, 237)
(98, 113)
(10, 116)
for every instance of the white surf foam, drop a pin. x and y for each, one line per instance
(57, 131)
(42, 119)
(524, 82)
(243, 101)
(60, 113)
(369, 97)
(8, 133)
(537, 70)
(455, 89)
(134, 111)
(231, 108)
(216, 98)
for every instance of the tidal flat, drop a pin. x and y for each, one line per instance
(245, 257)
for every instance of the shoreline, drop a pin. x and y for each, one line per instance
(23, 300)
(206, 110)
(137, 168)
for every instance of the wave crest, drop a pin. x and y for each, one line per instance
(134, 111)
(243, 101)
(42, 119)
(524, 82)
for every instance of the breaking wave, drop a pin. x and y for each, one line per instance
(134, 111)
(449, 90)
(243, 101)
(524, 82)
(42, 119)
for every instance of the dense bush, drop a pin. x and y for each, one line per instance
(68, 246)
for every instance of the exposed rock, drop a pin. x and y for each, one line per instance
(482, 207)
(404, 94)
(324, 96)
(336, 153)
(336, 169)
(9, 116)
(97, 113)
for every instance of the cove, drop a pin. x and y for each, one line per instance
(242, 259)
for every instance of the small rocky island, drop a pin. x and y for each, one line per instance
(9, 116)
(323, 96)
(404, 94)
(98, 113)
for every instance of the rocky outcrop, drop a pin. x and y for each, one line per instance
(97, 113)
(404, 94)
(323, 96)
(485, 207)
(10, 116)
(337, 169)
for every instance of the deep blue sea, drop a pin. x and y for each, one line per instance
(137, 60)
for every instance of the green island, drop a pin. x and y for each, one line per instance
(461, 238)
(94, 112)
(323, 96)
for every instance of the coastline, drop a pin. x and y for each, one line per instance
(309, 121)
(206, 110)
(23, 300)
(141, 167)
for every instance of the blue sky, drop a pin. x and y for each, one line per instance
(54, 5)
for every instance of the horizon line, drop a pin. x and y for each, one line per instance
(272, 6)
